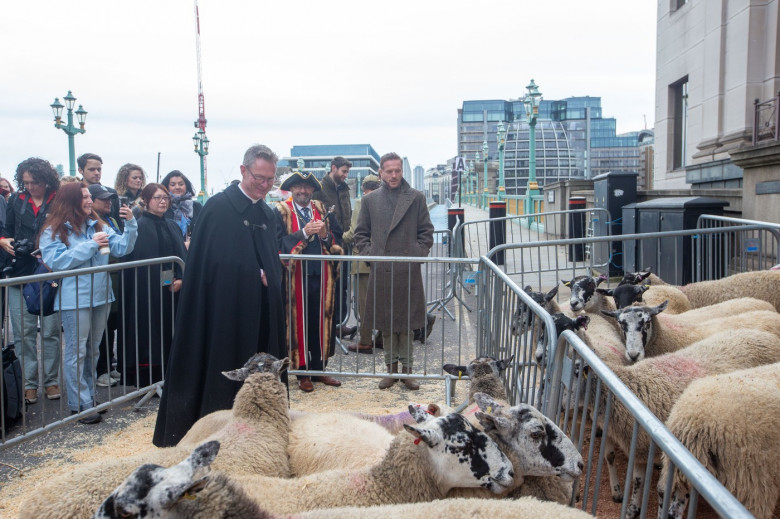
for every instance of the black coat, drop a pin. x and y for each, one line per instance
(145, 329)
(225, 314)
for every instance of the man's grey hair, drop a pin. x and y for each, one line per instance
(259, 151)
(389, 156)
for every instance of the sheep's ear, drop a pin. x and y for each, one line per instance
(204, 455)
(611, 313)
(422, 434)
(551, 293)
(660, 308)
(239, 375)
(419, 413)
(566, 283)
(280, 365)
(181, 491)
(486, 403)
(528, 289)
(644, 275)
(644, 288)
(491, 421)
(606, 291)
(504, 363)
(434, 410)
(601, 279)
(454, 370)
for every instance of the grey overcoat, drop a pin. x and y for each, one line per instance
(396, 295)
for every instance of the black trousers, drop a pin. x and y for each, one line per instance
(312, 325)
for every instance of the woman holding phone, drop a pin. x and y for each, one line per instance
(150, 294)
(75, 237)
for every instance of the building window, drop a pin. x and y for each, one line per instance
(679, 106)
(676, 4)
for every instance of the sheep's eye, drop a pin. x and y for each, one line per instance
(537, 435)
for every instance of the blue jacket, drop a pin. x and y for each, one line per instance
(84, 252)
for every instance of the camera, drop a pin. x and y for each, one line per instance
(23, 250)
(23, 247)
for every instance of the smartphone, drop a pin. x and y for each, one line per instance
(124, 202)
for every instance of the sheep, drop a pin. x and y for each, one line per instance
(731, 423)
(584, 295)
(562, 322)
(762, 284)
(644, 277)
(523, 317)
(659, 382)
(649, 334)
(255, 441)
(484, 373)
(179, 491)
(420, 466)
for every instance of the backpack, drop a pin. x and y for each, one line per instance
(12, 386)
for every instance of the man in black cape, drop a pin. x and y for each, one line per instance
(231, 305)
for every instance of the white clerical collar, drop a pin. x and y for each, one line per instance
(246, 195)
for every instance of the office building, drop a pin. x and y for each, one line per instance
(316, 158)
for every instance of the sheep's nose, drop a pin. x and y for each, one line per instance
(633, 356)
(580, 465)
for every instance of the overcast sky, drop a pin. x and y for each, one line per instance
(285, 73)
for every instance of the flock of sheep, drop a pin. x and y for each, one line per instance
(704, 358)
(261, 460)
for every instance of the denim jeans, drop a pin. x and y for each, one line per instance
(83, 330)
(25, 327)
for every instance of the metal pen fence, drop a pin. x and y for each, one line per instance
(138, 379)
(572, 399)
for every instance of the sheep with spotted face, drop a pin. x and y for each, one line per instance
(254, 442)
(422, 465)
(523, 318)
(660, 381)
(649, 334)
(735, 436)
(584, 296)
(182, 490)
(485, 375)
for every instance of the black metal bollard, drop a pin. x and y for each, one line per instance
(497, 229)
(576, 228)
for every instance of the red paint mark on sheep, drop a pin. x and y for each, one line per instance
(357, 482)
(242, 427)
(669, 322)
(678, 366)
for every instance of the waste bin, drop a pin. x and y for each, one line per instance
(629, 247)
(674, 258)
(496, 212)
(576, 228)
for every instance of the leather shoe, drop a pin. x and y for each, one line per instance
(305, 385)
(328, 381)
(89, 419)
(360, 348)
(347, 331)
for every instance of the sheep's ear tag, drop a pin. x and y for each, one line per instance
(567, 283)
(460, 374)
(187, 495)
(417, 440)
(489, 409)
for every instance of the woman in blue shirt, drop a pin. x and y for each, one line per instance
(71, 239)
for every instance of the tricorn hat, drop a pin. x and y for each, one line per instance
(298, 177)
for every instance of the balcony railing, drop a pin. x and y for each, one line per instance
(766, 120)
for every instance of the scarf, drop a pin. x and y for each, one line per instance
(182, 211)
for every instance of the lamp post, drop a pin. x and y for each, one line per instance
(477, 192)
(69, 129)
(484, 173)
(201, 143)
(473, 182)
(531, 102)
(501, 135)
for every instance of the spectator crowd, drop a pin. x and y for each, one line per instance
(158, 321)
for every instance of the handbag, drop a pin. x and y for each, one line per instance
(40, 296)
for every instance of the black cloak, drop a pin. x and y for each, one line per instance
(225, 314)
(147, 305)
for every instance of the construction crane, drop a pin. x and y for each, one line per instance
(200, 140)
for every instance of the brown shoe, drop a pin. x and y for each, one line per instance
(360, 348)
(410, 383)
(30, 396)
(389, 381)
(53, 392)
(328, 381)
(304, 384)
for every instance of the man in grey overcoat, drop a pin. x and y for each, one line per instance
(394, 221)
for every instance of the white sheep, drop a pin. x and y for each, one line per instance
(421, 465)
(763, 284)
(182, 490)
(255, 441)
(659, 382)
(731, 423)
(649, 334)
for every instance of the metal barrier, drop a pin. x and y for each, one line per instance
(758, 249)
(448, 343)
(475, 239)
(47, 415)
(571, 399)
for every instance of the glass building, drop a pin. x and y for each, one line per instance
(316, 158)
(573, 140)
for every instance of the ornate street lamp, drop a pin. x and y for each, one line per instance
(531, 102)
(478, 197)
(473, 182)
(69, 129)
(501, 136)
(201, 143)
(485, 173)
